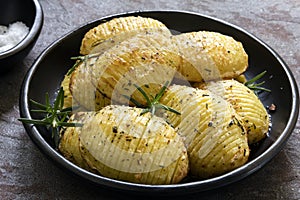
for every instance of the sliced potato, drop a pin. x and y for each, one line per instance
(217, 120)
(108, 34)
(246, 104)
(68, 99)
(146, 61)
(121, 143)
(214, 135)
(210, 56)
(69, 142)
(83, 91)
(97, 41)
(70, 102)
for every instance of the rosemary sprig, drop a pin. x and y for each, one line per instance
(251, 84)
(55, 116)
(79, 60)
(153, 104)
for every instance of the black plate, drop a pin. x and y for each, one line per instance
(49, 69)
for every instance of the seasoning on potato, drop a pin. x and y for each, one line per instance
(136, 148)
(155, 107)
(246, 104)
(144, 60)
(69, 142)
(210, 56)
(214, 134)
(108, 34)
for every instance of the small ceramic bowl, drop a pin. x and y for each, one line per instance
(31, 14)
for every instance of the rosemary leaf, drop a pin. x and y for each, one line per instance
(37, 104)
(259, 76)
(33, 121)
(143, 93)
(162, 91)
(169, 109)
(153, 104)
(135, 102)
(251, 84)
(79, 60)
(47, 100)
(145, 111)
(259, 88)
(55, 117)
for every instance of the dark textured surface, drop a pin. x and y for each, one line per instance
(26, 174)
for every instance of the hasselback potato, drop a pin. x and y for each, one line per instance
(210, 56)
(107, 34)
(120, 143)
(246, 104)
(95, 42)
(214, 134)
(82, 89)
(69, 142)
(144, 61)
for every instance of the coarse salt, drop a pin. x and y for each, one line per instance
(13, 34)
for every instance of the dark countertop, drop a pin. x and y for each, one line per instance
(26, 174)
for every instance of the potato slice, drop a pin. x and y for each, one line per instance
(70, 102)
(210, 56)
(68, 99)
(121, 143)
(246, 104)
(108, 34)
(214, 135)
(146, 60)
(83, 91)
(69, 142)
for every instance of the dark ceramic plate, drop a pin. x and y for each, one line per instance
(49, 69)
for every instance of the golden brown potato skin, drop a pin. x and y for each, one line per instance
(83, 91)
(99, 40)
(68, 99)
(246, 104)
(117, 30)
(120, 143)
(211, 134)
(210, 56)
(214, 134)
(145, 61)
(69, 142)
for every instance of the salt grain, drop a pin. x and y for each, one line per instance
(13, 34)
